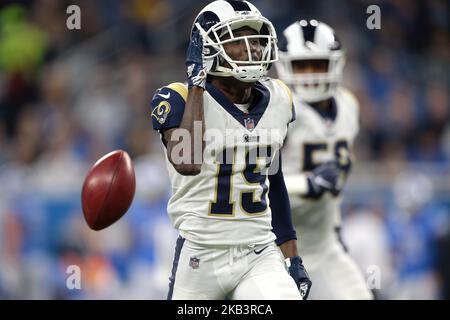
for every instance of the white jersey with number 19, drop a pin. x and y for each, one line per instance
(227, 203)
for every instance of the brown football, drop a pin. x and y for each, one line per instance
(108, 190)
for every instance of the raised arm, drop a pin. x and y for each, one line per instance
(192, 128)
(187, 158)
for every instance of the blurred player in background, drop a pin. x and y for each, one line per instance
(318, 155)
(220, 201)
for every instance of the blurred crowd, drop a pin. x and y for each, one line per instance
(67, 97)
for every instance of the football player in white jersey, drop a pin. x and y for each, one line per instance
(317, 155)
(222, 131)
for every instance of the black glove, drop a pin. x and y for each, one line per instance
(298, 272)
(196, 68)
(324, 178)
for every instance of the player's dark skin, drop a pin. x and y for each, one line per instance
(313, 66)
(237, 92)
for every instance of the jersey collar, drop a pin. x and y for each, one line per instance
(329, 115)
(261, 98)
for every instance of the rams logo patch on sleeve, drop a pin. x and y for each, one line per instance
(161, 111)
(167, 106)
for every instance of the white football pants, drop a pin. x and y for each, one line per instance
(237, 272)
(335, 275)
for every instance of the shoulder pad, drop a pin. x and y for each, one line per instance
(167, 106)
(289, 94)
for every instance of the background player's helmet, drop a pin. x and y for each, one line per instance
(222, 17)
(311, 40)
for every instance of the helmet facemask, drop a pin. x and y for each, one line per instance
(312, 86)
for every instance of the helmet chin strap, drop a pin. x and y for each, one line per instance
(312, 96)
(250, 73)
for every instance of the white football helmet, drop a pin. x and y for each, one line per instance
(222, 17)
(311, 40)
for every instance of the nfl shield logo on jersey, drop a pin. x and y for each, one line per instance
(194, 262)
(249, 124)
